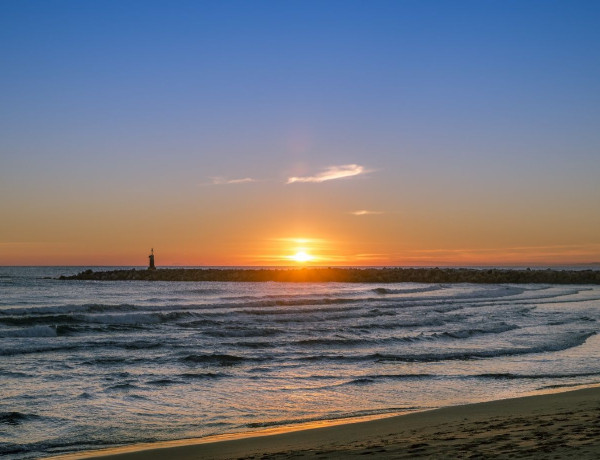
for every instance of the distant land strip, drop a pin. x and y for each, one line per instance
(348, 275)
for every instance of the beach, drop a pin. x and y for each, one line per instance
(112, 363)
(558, 425)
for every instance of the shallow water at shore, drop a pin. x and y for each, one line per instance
(88, 364)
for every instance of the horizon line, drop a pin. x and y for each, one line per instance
(491, 265)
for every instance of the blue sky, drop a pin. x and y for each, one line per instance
(465, 116)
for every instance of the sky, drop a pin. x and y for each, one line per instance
(348, 132)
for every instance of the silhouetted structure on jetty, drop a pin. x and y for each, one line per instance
(349, 275)
(151, 265)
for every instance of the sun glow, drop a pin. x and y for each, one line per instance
(302, 256)
(296, 251)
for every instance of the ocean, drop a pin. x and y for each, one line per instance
(87, 364)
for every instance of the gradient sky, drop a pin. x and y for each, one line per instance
(238, 133)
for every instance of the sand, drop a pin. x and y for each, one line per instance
(559, 425)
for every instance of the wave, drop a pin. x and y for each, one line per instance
(511, 376)
(198, 323)
(479, 294)
(7, 373)
(123, 387)
(367, 379)
(73, 309)
(409, 323)
(302, 301)
(458, 334)
(566, 385)
(547, 299)
(332, 341)
(164, 299)
(372, 378)
(25, 350)
(241, 331)
(254, 345)
(367, 310)
(129, 314)
(75, 322)
(490, 296)
(568, 341)
(290, 311)
(161, 382)
(15, 418)
(70, 309)
(467, 333)
(33, 320)
(385, 291)
(348, 342)
(35, 331)
(378, 312)
(324, 306)
(342, 315)
(141, 345)
(115, 361)
(199, 291)
(331, 292)
(213, 358)
(361, 381)
(202, 375)
(380, 300)
(127, 319)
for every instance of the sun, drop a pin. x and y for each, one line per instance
(301, 256)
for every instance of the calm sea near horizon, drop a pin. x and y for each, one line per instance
(87, 364)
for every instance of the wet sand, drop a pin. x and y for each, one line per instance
(559, 425)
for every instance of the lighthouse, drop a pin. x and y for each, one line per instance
(151, 257)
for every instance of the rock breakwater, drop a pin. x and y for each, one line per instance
(348, 275)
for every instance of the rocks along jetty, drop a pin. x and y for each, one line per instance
(348, 275)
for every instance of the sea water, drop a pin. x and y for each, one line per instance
(87, 364)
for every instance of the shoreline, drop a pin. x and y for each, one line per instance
(564, 422)
(348, 275)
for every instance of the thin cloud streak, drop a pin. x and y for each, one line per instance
(299, 240)
(364, 212)
(222, 181)
(555, 247)
(331, 173)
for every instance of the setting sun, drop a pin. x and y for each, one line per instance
(302, 256)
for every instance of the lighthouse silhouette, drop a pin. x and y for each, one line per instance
(151, 265)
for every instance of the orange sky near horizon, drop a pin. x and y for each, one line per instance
(366, 219)
(62, 254)
(219, 228)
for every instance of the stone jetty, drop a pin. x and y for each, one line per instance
(349, 275)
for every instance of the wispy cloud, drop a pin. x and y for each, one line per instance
(223, 181)
(364, 212)
(331, 173)
(298, 240)
(29, 243)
